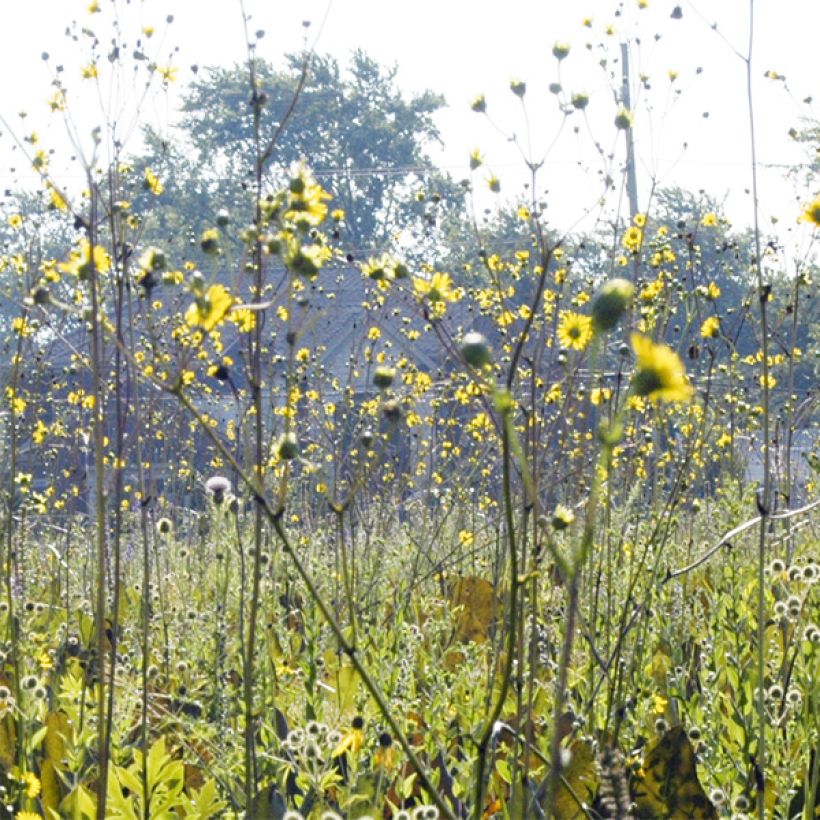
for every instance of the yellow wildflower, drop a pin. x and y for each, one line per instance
(81, 261)
(633, 236)
(31, 783)
(811, 213)
(439, 288)
(306, 200)
(210, 309)
(660, 375)
(710, 328)
(152, 183)
(574, 330)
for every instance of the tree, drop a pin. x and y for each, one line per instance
(365, 141)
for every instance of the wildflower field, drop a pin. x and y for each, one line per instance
(339, 494)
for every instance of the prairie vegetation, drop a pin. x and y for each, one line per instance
(504, 520)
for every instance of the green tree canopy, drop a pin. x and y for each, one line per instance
(364, 139)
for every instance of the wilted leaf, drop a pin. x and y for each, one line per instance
(8, 741)
(475, 602)
(670, 786)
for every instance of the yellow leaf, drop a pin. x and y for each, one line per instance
(51, 793)
(8, 741)
(57, 730)
(578, 783)
(475, 604)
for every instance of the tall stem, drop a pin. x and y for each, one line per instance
(765, 502)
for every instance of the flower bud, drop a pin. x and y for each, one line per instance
(383, 377)
(288, 446)
(610, 303)
(475, 350)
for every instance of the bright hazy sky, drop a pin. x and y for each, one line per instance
(463, 47)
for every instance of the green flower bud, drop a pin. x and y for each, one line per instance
(288, 447)
(209, 241)
(623, 119)
(560, 51)
(475, 350)
(610, 303)
(479, 104)
(383, 377)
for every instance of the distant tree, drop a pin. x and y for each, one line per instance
(364, 139)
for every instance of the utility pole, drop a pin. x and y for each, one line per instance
(626, 101)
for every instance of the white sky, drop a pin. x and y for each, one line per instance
(462, 47)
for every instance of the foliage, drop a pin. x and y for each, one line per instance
(286, 532)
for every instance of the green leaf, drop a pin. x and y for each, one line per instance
(79, 805)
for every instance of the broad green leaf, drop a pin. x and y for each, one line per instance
(346, 686)
(79, 805)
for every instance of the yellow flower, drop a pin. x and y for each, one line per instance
(90, 71)
(56, 102)
(152, 183)
(209, 310)
(168, 74)
(599, 395)
(80, 261)
(306, 200)
(31, 783)
(633, 238)
(660, 375)
(352, 741)
(244, 319)
(27, 815)
(574, 330)
(56, 201)
(710, 329)
(709, 220)
(437, 289)
(306, 260)
(812, 212)
(16, 221)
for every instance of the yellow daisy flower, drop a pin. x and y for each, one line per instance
(812, 212)
(710, 328)
(209, 310)
(660, 374)
(574, 330)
